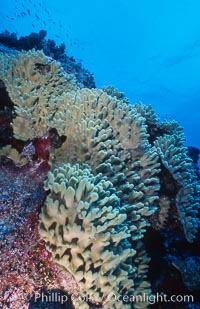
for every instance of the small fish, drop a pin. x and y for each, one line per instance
(9, 17)
(37, 17)
(29, 13)
(22, 14)
(33, 25)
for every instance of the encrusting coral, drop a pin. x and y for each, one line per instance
(26, 266)
(107, 179)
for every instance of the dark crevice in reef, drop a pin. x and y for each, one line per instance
(166, 245)
(6, 116)
(168, 186)
(5, 100)
(154, 131)
(165, 279)
(194, 154)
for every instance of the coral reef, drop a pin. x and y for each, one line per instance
(10, 43)
(116, 171)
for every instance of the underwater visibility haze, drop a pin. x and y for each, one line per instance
(99, 154)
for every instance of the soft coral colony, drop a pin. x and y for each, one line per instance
(108, 179)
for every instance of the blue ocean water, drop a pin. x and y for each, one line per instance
(150, 50)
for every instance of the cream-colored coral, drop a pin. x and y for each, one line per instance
(111, 137)
(114, 92)
(84, 228)
(35, 84)
(156, 127)
(101, 130)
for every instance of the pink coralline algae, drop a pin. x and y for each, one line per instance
(26, 266)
